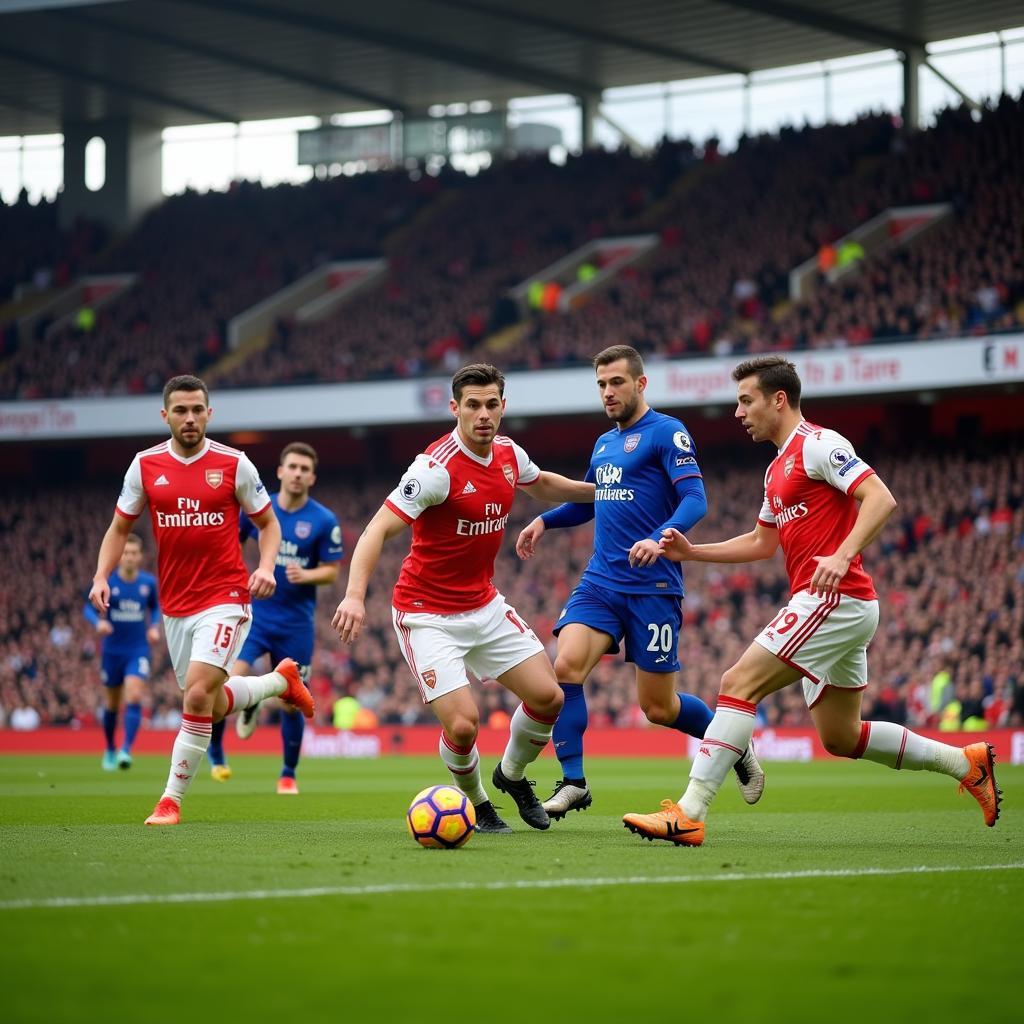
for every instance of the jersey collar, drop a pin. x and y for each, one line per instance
(192, 458)
(472, 455)
(796, 429)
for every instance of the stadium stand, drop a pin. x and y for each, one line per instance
(731, 227)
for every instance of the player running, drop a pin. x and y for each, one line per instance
(127, 629)
(447, 614)
(648, 480)
(283, 624)
(195, 488)
(823, 505)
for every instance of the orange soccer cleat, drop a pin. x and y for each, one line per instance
(166, 812)
(980, 780)
(669, 823)
(287, 786)
(296, 693)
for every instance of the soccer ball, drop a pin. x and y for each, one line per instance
(441, 817)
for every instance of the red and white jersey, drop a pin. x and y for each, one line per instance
(458, 504)
(193, 505)
(807, 496)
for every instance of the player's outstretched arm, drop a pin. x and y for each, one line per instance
(876, 506)
(262, 582)
(762, 542)
(555, 487)
(111, 549)
(348, 619)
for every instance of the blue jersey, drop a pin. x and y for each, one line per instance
(133, 609)
(310, 536)
(638, 474)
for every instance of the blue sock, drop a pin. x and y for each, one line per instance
(569, 729)
(292, 728)
(694, 716)
(132, 721)
(109, 725)
(215, 751)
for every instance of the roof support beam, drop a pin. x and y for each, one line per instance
(233, 59)
(113, 85)
(487, 63)
(835, 24)
(586, 32)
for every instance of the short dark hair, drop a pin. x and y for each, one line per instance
(185, 382)
(300, 448)
(480, 375)
(134, 538)
(616, 352)
(774, 373)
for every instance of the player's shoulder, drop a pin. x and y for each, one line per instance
(672, 431)
(441, 451)
(147, 577)
(822, 439)
(320, 511)
(156, 450)
(217, 448)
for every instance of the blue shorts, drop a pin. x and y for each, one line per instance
(115, 666)
(279, 642)
(650, 623)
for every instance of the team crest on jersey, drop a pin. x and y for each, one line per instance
(788, 467)
(303, 530)
(429, 678)
(509, 475)
(215, 477)
(631, 442)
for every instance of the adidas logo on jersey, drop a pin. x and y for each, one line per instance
(161, 481)
(469, 488)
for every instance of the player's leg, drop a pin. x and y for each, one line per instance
(258, 644)
(293, 725)
(134, 684)
(757, 674)
(202, 682)
(509, 651)
(434, 648)
(112, 691)
(587, 629)
(836, 711)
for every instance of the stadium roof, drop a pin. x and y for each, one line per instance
(174, 62)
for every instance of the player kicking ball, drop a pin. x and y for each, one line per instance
(823, 505)
(447, 614)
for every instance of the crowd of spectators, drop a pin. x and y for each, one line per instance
(731, 229)
(949, 569)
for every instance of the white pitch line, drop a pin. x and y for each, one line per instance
(140, 899)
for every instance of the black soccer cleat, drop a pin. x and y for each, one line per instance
(489, 821)
(567, 797)
(530, 809)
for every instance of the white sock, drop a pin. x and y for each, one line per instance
(897, 747)
(189, 746)
(247, 691)
(529, 734)
(464, 765)
(726, 738)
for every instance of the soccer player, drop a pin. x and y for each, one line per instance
(282, 625)
(648, 480)
(446, 612)
(823, 505)
(195, 488)
(127, 630)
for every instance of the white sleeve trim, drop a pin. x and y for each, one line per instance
(249, 489)
(831, 458)
(528, 471)
(132, 499)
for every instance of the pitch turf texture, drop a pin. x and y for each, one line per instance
(851, 893)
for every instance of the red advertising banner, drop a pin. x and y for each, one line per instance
(772, 744)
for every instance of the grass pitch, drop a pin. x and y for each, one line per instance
(850, 891)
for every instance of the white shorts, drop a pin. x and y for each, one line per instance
(489, 641)
(214, 636)
(824, 638)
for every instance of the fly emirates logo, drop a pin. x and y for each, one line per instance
(493, 522)
(188, 514)
(785, 515)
